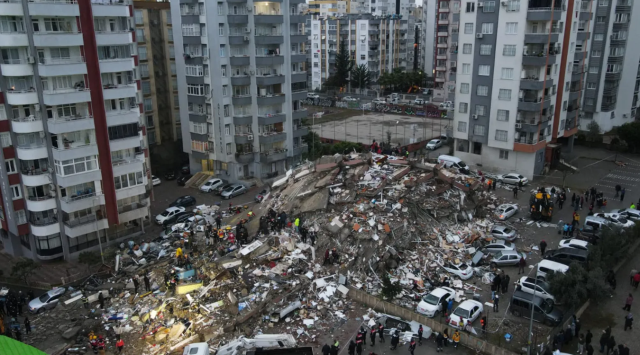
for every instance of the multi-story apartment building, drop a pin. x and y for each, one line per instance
(612, 76)
(383, 43)
(329, 7)
(383, 7)
(74, 171)
(241, 79)
(157, 66)
(515, 91)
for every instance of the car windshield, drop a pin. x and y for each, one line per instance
(44, 298)
(461, 312)
(461, 164)
(431, 299)
(165, 213)
(520, 177)
(508, 244)
(498, 255)
(622, 220)
(463, 266)
(506, 230)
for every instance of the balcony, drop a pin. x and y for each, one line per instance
(271, 118)
(269, 38)
(266, 80)
(116, 65)
(533, 104)
(131, 191)
(538, 59)
(121, 91)
(11, 8)
(529, 145)
(240, 120)
(22, 97)
(62, 66)
(613, 75)
(270, 100)
(274, 18)
(127, 165)
(120, 117)
(54, 8)
(44, 226)
(125, 143)
(70, 124)
(299, 114)
(272, 137)
(79, 178)
(299, 77)
(111, 8)
(41, 203)
(57, 39)
(13, 39)
(32, 151)
(32, 177)
(268, 60)
(541, 38)
(245, 158)
(29, 124)
(243, 138)
(84, 225)
(533, 83)
(299, 94)
(241, 100)
(298, 38)
(542, 10)
(113, 38)
(273, 155)
(73, 150)
(81, 201)
(16, 67)
(240, 60)
(239, 19)
(300, 149)
(66, 96)
(301, 131)
(134, 211)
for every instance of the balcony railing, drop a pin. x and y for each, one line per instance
(80, 195)
(128, 160)
(55, 61)
(39, 198)
(117, 86)
(131, 207)
(32, 171)
(69, 118)
(72, 145)
(42, 221)
(111, 2)
(80, 221)
(31, 118)
(13, 61)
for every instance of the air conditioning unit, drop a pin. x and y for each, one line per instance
(518, 125)
(250, 137)
(475, 117)
(480, 4)
(624, 115)
(479, 35)
(31, 60)
(246, 38)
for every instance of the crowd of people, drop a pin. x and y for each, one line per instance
(11, 307)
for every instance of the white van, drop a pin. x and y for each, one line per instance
(196, 349)
(547, 266)
(596, 222)
(453, 162)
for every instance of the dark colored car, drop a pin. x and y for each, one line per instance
(170, 176)
(184, 217)
(184, 201)
(220, 188)
(177, 218)
(183, 179)
(186, 170)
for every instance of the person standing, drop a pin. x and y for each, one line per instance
(381, 332)
(618, 187)
(581, 201)
(560, 201)
(218, 222)
(496, 301)
(611, 343)
(85, 301)
(622, 192)
(296, 223)
(505, 284)
(456, 338)
(420, 331)
(101, 299)
(135, 283)
(627, 303)
(604, 339)
(326, 349)
(27, 325)
(372, 336)
(521, 265)
(359, 348)
(573, 199)
(352, 347)
(581, 344)
(120, 345)
(395, 339)
(147, 284)
(439, 342)
(636, 280)
(515, 192)
(412, 346)
(543, 247)
(628, 322)
(334, 348)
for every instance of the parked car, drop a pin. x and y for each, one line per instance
(446, 104)
(506, 210)
(462, 270)
(616, 219)
(432, 302)
(379, 101)
(185, 169)
(466, 312)
(543, 311)
(311, 95)
(183, 217)
(48, 300)
(629, 213)
(168, 213)
(574, 243)
(182, 180)
(434, 144)
(211, 184)
(503, 232)
(507, 257)
(349, 98)
(498, 245)
(218, 190)
(392, 323)
(418, 102)
(546, 267)
(512, 178)
(588, 234)
(170, 176)
(260, 196)
(542, 288)
(232, 191)
(567, 255)
(155, 180)
(184, 201)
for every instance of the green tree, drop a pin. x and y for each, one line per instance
(89, 258)
(630, 133)
(343, 68)
(23, 269)
(614, 247)
(314, 145)
(389, 289)
(361, 77)
(593, 132)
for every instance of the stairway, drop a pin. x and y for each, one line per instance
(198, 179)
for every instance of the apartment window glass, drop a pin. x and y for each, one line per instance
(593, 70)
(489, 6)
(140, 35)
(471, 6)
(503, 115)
(481, 110)
(172, 51)
(511, 28)
(144, 70)
(501, 135)
(513, 5)
(601, 19)
(509, 50)
(464, 88)
(468, 28)
(21, 218)
(504, 154)
(598, 37)
(146, 87)
(221, 29)
(170, 35)
(223, 51)
(467, 48)
(3, 113)
(142, 53)
(191, 29)
(504, 94)
(484, 70)
(487, 28)
(172, 67)
(482, 90)
(148, 104)
(603, 3)
(462, 126)
(507, 73)
(485, 49)
(227, 111)
(137, 14)
(5, 139)
(16, 192)
(466, 68)
(10, 165)
(591, 86)
(463, 107)
(596, 53)
(479, 130)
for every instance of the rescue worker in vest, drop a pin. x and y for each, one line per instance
(456, 338)
(85, 301)
(420, 331)
(483, 323)
(412, 346)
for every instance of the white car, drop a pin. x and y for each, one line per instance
(499, 245)
(349, 98)
(168, 213)
(616, 218)
(48, 300)
(529, 284)
(466, 312)
(379, 101)
(155, 180)
(512, 178)
(311, 95)
(434, 144)
(211, 185)
(446, 104)
(503, 232)
(574, 243)
(418, 102)
(432, 303)
(462, 270)
(628, 213)
(505, 211)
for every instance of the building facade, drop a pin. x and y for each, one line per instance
(518, 83)
(329, 7)
(74, 173)
(612, 75)
(383, 43)
(241, 79)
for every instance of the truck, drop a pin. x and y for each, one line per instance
(541, 206)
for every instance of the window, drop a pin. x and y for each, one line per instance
(593, 70)
(21, 218)
(225, 90)
(601, 19)
(198, 128)
(504, 94)
(3, 113)
(507, 73)
(146, 87)
(227, 111)
(137, 15)
(589, 102)
(501, 135)
(467, 48)
(485, 49)
(5, 139)
(466, 68)
(172, 66)
(464, 88)
(482, 90)
(513, 5)
(193, 70)
(598, 37)
(462, 126)
(197, 90)
(468, 28)
(487, 28)
(509, 50)
(191, 29)
(503, 115)
(489, 6)
(504, 154)
(484, 70)
(222, 51)
(603, 3)
(144, 70)
(227, 130)
(16, 192)
(471, 6)
(128, 180)
(148, 104)
(142, 53)
(591, 86)
(172, 51)
(10, 165)
(150, 123)
(170, 35)
(511, 28)
(463, 107)
(479, 130)
(481, 110)
(140, 35)
(596, 53)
